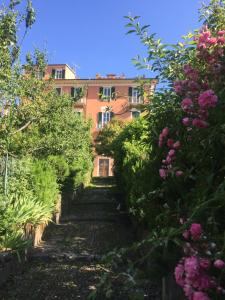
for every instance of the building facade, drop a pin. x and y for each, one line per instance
(100, 99)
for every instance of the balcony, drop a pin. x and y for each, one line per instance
(135, 101)
(79, 102)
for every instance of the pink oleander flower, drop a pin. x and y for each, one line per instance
(207, 99)
(196, 231)
(186, 121)
(186, 104)
(212, 41)
(178, 87)
(205, 33)
(191, 267)
(168, 160)
(177, 145)
(190, 72)
(200, 296)
(179, 274)
(201, 46)
(203, 114)
(186, 234)
(188, 291)
(199, 123)
(219, 264)
(171, 153)
(163, 173)
(179, 173)
(160, 140)
(170, 143)
(204, 282)
(163, 135)
(205, 263)
(194, 86)
(165, 132)
(220, 40)
(221, 32)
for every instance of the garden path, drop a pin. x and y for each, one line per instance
(67, 264)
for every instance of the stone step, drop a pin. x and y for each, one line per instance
(90, 219)
(112, 218)
(94, 203)
(63, 257)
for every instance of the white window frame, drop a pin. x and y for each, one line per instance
(135, 98)
(106, 117)
(59, 74)
(107, 92)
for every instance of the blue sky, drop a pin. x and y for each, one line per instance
(90, 34)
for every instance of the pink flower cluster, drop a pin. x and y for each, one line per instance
(195, 103)
(205, 38)
(171, 155)
(193, 271)
(206, 42)
(197, 96)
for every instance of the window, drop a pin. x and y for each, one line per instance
(104, 118)
(134, 95)
(40, 74)
(135, 114)
(77, 93)
(58, 73)
(58, 91)
(106, 93)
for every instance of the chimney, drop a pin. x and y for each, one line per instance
(111, 76)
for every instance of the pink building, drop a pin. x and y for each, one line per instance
(100, 99)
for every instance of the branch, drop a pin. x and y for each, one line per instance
(23, 127)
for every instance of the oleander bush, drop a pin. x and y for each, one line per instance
(170, 163)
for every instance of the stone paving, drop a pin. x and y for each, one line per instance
(67, 263)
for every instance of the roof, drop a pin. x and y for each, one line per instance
(63, 65)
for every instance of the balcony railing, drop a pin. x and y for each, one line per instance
(81, 101)
(136, 100)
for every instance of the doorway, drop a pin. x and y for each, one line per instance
(103, 167)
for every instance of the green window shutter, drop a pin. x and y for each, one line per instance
(72, 92)
(100, 92)
(63, 74)
(99, 119)
(111, 115)
(113, 92)
(53, 73)
(130, 91)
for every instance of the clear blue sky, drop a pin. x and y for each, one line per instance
(90, 34)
